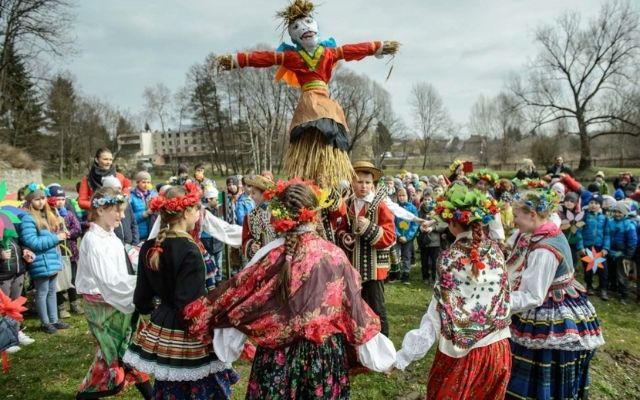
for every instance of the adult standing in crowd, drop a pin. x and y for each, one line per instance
(527, 170)
(141, 195)
(554, 171)
(102, 167)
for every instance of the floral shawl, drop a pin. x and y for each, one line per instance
(470, 307)
(324, 300)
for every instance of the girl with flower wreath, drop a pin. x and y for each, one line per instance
(171, 274)
(104, 282)
(469, 311)
(554, 329)
(299, 300)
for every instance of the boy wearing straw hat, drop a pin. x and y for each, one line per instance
(367, 233)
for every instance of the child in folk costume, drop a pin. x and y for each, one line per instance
(172, 270)
(367, 232)
(299, 300)
(554, 330)
(107, 288)
(469, 312)
(256, 227)
(318, 132)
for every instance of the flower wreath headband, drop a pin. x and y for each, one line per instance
(485, 175)
(539, 200)
(178, 204)
(464, 205)
(281, 220)
(32, 187)
(108, 200)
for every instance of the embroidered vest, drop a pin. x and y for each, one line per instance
(372, 263)
(564, 282)
(471, 307)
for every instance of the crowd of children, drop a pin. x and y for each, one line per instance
(476, 235)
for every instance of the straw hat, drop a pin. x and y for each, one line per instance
(366, 166)
(259, 182)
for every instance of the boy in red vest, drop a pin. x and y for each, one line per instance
(367, 233)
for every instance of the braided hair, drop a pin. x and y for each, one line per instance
(294, 198)
(168, 220)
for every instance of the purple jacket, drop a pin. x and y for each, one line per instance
(75, 231)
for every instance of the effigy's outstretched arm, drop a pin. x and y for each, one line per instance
(358, 51)
(256, 59)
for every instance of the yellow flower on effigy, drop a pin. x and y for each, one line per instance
(447, 214)
(403, 225)
(324, 201)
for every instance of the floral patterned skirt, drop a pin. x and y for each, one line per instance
(304, 370)
(107, 375)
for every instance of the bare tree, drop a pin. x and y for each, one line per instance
(363, 101)
(158, 103)
(31, 28)
(582, 74)
(499, 118)
(431, 116)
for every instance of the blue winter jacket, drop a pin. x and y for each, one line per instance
(624, 238)
(406, 228)
(244, 205)
(44, 245)
(139, 203)
(594, 232)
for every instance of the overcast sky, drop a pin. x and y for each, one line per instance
(463, 48)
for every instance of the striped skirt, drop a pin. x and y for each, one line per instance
(172, 355)
(549, 374)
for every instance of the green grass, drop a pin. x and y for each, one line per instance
(54, 366)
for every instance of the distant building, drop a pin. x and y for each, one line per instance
(185, 143)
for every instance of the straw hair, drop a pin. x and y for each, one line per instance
(310, 158)
(297, 9)
(390, 47)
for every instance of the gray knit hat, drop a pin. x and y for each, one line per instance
(143, 176)
(623, 207)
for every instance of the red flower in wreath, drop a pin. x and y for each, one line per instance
(283, 224)
(306, 215)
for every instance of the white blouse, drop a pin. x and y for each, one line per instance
(102, 269)
(216, 227)
(536, 279)
(378, 354)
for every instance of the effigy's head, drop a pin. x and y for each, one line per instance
(304, 31)
(301, 25)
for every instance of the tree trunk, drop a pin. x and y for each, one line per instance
(585, 145)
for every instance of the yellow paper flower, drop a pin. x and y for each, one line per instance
(404, 225)
(324, 201)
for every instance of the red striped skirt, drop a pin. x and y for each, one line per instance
(482, 374)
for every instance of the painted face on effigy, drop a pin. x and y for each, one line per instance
(304, 31)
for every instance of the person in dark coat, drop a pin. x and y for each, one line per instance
(559, 168)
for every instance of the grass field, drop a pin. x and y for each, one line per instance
(53, 367)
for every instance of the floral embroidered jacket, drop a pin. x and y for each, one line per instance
(324, 300)
(471, 307)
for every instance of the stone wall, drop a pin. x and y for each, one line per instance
(16, 178)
